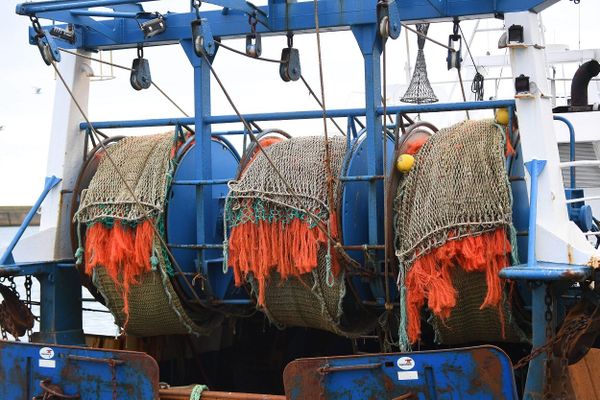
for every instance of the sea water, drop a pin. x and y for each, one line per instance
(98, 322)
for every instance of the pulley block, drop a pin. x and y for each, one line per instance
(47, 48)
(253, 45)
(290, 69)
(202, 37)
(140, 73)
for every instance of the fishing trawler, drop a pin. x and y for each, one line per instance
(386, 258)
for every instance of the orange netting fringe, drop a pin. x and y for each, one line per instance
(510, 150)
(291, 249)
(430, 278)
(125, 252)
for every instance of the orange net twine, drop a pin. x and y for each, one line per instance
(291, 249)
(429, 279)
(125, 252)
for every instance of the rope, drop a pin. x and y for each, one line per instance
(197, 391)
(385, 179)
(262, 150)
(427, 37)
(326, 139)
(127, 69)
(314, 96)
(127, 186)
(246, 55)
(477, 87)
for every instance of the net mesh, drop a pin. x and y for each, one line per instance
(276, 240)
(453, 212)
(420, 91)
(128, 263)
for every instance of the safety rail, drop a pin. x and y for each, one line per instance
(299, 115)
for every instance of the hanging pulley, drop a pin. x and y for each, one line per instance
(290, 69)
(389, 19)
(45, 43)
(253, 40)
(140, 71)
(202, 37)
(454, 58)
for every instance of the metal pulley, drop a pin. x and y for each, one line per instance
(45, 43)
(389, 19)
(202, 37)
(454, 58)
(290, 69)
(140, 72)
(253, 40)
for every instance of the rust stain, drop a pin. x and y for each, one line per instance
(570, 253)
(594, 262)
(488, 370)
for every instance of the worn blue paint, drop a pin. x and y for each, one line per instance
(547, 271)
(49, 184)
(476, 373)
(77, 370)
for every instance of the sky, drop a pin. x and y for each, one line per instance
(27, 84)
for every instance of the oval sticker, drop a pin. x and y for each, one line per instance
(46, 353)
(406, 363)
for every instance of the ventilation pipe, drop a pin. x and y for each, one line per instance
(581, 80)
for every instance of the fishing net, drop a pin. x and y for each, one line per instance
(127, 261)
(420, 91)
(279, 239)
(453, 224)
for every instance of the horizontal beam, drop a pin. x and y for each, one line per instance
(282, 17)
(297, 115)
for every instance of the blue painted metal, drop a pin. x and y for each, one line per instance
(535, 168)
(480, 373)
(297, 115)
(546, 271)
(354, 213)
(107, 14)
(571, 146)
(76, 370)
(182, 227)
(49, 184)
(579, 212)
(282, 17)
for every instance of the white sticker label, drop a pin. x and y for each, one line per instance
(46, 353)
(47, 363)
(405, 363)
(408, 375)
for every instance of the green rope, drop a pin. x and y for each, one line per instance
(197, 392)
(403, 340)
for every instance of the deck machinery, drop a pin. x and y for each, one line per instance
(557, 266)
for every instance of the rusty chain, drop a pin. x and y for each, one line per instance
(549, 318)
(28, 285)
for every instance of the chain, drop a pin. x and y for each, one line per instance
(549, 318)
(35, 22)
(252, 21)
(13, 286)
(196, 4)
(28, 285)
(140, 51)
(290, 39)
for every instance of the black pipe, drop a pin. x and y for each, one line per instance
(581, 80)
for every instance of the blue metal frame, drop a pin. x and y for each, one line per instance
(278, 17)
